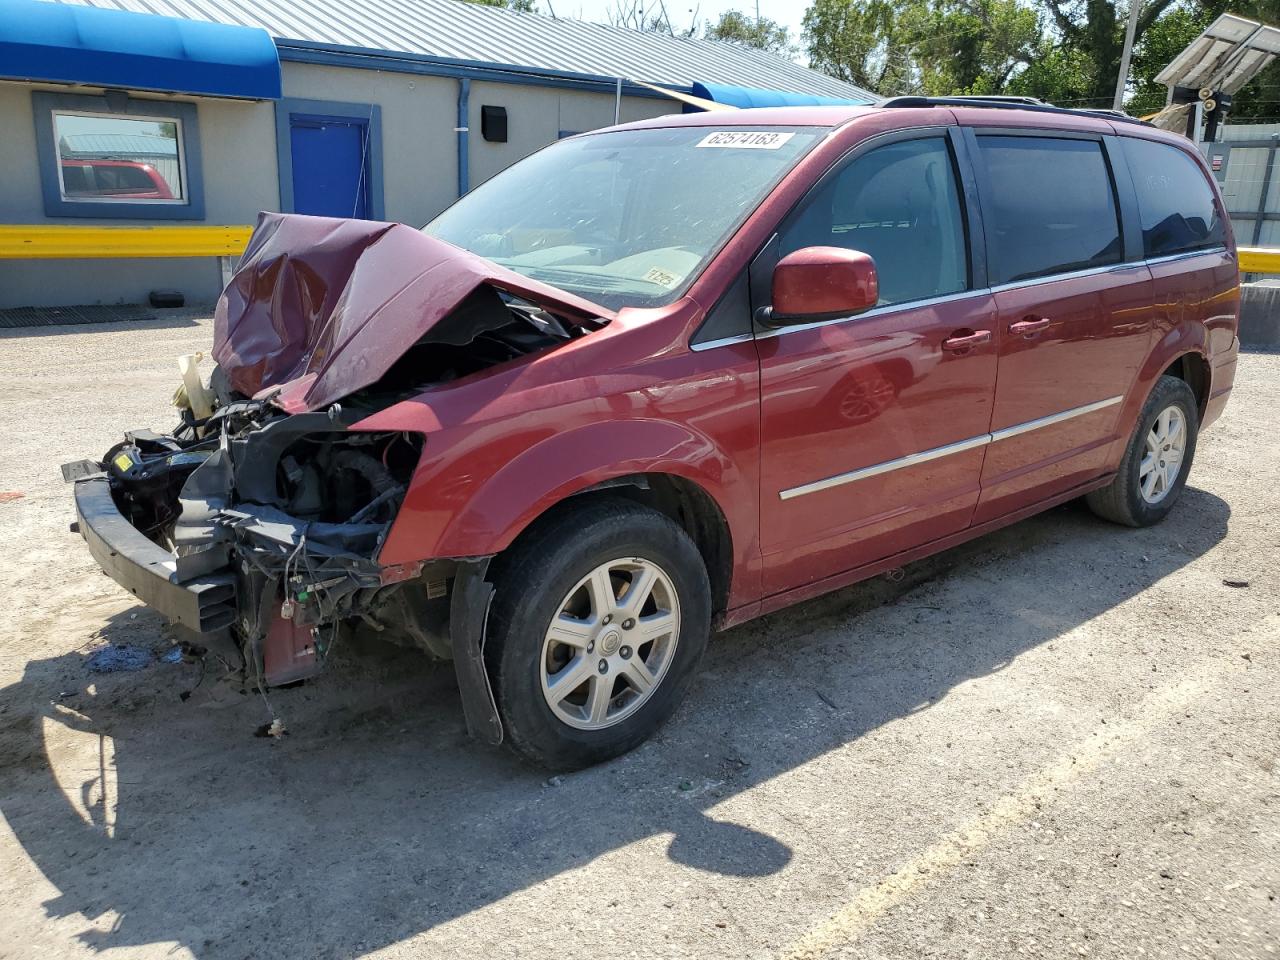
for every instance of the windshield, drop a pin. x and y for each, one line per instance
(627, 218)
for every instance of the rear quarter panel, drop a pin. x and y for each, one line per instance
(1197, 308)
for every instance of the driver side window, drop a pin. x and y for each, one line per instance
(900, 204)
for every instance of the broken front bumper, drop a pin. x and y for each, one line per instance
(203, 603)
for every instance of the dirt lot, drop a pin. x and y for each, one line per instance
(1059, 741)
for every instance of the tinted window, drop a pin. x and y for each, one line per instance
(899, 204)
(1174, 199)
(77, 180)
(1051, 207)
(123, 177)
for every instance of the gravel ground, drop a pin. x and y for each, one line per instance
(1058, 741)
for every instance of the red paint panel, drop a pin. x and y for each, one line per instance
(507, 444)
(288, 652)
(845, 396)
(824, 281)
(1099, 331)
(1200, 297)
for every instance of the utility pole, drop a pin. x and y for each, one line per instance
(1135, 6)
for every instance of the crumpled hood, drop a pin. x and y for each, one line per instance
(322, 307)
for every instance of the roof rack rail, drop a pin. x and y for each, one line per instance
(1030, 104)
(1001, 98)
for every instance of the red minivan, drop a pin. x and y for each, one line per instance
(663, 378)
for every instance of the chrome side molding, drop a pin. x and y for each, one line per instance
(1053, 418)
(935, 453)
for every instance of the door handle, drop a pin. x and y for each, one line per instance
(1028, 328)
(960, 341)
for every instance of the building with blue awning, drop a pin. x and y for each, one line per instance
(111, 48)
(124, 113)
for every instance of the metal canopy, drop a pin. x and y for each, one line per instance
(114, 48)
(452, 38)
(1228, 54)
(745, 97)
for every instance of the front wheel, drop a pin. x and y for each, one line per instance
(600, 617)
(1157, 460)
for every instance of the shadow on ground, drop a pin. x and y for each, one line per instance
(376, 819)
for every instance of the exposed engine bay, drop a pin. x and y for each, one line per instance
(257, 523)
(288, 511)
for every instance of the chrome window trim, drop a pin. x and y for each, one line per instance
(892, 308)
(722, 342)
(1188, 254)
(1069, 275)
(881, 310)
(935, 453)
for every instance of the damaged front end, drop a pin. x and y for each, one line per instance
(258, 523)
(263, 527)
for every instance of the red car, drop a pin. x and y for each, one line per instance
(113, 180)
(667, 377)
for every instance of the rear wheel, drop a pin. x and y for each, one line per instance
(600, 617)
(1157, 460)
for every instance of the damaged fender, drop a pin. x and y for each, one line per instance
(322, 307)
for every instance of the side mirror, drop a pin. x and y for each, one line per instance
(821, 283)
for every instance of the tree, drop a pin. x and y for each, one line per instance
(1095, 30)
(761, 33)
(1063, 51)
(976, 46)
(519, 6)
(1166, 38)
(922, 46)
(1170, 35)
(650, 17)
(1058, 74)
(865, 42)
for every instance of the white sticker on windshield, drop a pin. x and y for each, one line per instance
(662, 278)
(745, 139)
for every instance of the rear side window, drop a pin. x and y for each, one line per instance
(1174, 200)
(899, 204)
(1051, 207)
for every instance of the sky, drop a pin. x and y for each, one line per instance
(681, 12)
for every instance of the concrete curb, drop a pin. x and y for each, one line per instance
(1260, 314)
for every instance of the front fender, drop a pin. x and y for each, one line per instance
(557, 466)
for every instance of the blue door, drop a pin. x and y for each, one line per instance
(330, 166)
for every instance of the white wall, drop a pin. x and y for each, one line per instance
(536, 115)
(239, 159)
(237, 145)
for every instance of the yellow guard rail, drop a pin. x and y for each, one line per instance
(38, 242)
(1259, 260)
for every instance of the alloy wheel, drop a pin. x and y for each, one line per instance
(1162, 460)
(610, 643)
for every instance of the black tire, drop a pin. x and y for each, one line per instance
(531, 582)
(1121, 500)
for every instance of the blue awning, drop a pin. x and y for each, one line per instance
(752, 97)
(135, 51)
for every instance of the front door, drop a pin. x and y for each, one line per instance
(330, 166)
(874, 426)
(1074, 320)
